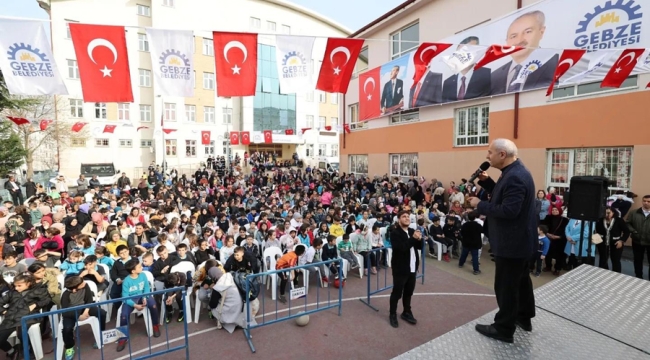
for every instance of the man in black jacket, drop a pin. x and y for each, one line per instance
(405, 262)
(512, 232)
(164, 264)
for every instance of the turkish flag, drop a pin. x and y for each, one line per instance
(205, 137)
(328, 128)
(346, 127)
(370, 94)
(234, 138)
(622, 68)
(304, 129)
(245, 137)
(78, 126)
(168, 131)
(288, 132)
(338, 64)
(18, 121)
(109, 129)
(235, 56)
(268, 136)
(568, 59)
(141, 127)
(423, 56)
(103, 62)
(43, 124)
(496, 52)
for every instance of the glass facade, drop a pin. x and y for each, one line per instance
(271, 110)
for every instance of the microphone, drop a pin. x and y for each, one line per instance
(484, 166)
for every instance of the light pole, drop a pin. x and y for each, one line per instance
(162, 131)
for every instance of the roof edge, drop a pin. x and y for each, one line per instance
(380, 19)
(313, 14)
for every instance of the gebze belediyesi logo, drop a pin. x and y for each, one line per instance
(294, 65)
(616, 24)
(27, 61)
(174, 65)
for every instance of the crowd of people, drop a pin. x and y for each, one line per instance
(221, 223)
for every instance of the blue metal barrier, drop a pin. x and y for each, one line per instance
(78, 309)
(378, 289)
(250, 326)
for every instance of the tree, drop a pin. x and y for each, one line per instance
(9, 102)
(12, 152)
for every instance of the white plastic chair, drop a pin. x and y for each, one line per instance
(92, 321)
(144, 312)
(182, 267)
(35, 339)
(347, 264)
(272, 253)
(197, 303)
(305, 272)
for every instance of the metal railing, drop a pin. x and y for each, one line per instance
(53, 317)
(252, 323)
(370, 291)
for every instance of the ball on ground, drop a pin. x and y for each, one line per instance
(302, 320)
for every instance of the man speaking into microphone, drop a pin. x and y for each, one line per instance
(512, 231)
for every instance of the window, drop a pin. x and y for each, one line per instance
(354, 118)
(227, 116)
(208, 114)
(101, 142)
(322, 97)
(169, 3)
(190, 148)
(405, 40)
(592, 88)
(321, 122)
(270, 26)
(309, 121)
(334, 122)
(76, 108)
(170, 112)
(146, 143)
(100, 110)
(143, 43)
(471, 125)
(404, 164)
(310, 96)
(224, 147)
(405, 116)
(144, 10)
(286, 29)
(209, 149)
(145, 77)
(67, 28)
(123, 111)
(613, 163)
(334, 150)
(208, 81)
(78, 142)
(73, 69)
(255, 23)
(322, 149)
(170, 147)
(126, 143)
(310, 150)
(145, 113)
(362, 61)
(190, 113)
(334, 99)
(208, 47)
(358, 164)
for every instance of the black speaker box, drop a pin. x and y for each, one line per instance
(588, 197)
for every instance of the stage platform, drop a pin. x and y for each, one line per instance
(588, 313)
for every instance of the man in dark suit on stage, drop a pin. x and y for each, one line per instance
(393, 94)
(512, 230)
(469, 83)
(428, 91)
(527, 31)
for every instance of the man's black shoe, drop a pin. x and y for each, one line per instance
(393, 320)
(491, 332)
(524, 325)
(408, 317)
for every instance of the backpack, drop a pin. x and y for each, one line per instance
(240, 280)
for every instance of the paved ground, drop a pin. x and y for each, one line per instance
(449, 298)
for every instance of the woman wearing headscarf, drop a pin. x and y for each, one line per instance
(72, 229)
(83, 217)
(556, 233)
(96, 226)
(226, 303)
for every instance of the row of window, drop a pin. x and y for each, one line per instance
(322, 122)
(562, 165)
(322, 150)
(271, 26)
(170, 145)
(170, 113)
(123, 143)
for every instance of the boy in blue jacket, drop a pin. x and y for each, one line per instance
(542, 249)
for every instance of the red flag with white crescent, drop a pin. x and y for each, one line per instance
(245, 137)
(43, 124)
(235, 56)
(268, 136)
(168, 131)
(423, 56)
(288, 131)
(205, 137)
(346, 127)
(234, 138)
(338, 64)
(370, 94)
(18, 120)
(569, 58)
(622, 68)
(78, 126)
(496, 52)
(109, 129)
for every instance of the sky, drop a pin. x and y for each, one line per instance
(352, 14)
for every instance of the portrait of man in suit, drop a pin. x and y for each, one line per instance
(468, 83)
(392, 98)
(526, 31)
(427, 91)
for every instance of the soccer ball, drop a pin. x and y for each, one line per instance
(302, 320)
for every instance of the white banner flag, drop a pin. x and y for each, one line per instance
(463, 58)
(172, 61)
(294, 62)
(26, 59)
(595, 64)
